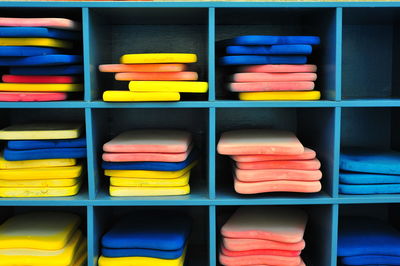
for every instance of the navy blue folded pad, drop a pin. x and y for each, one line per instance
(27, 51)
(41, 60)
(262, 59)
(38, 32)
(272, 49)
(371, 259)
(36, 154)
(50, 70)
(44, 144)
(142, 252)
(365, 178)
(270, 40)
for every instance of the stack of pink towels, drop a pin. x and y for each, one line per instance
(270, 161)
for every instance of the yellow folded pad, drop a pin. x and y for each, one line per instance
(41, 131)
(43, 230)
(41, 183)
(129, 96)
(150, 182)
(148, 173)
(40, 87)
(280, 96)
(169, 86)
(45, 42)
(42, 173)
(35, 163)
(149, 191)
(158, 58)
(35, 192)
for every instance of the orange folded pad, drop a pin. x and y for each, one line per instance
(313, 164)
(306, 155)
(184, 75)
(244, 244)
(277, 174)
(142, 68)
(278, 68)
(277, 186)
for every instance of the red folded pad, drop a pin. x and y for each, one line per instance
(259, 259)
(306, 155)
(312, 164)
(276, 186)
(277, 174)
(274, 252)
(278, 68)
(271, 86)
(157, 76)
(32, 96)
(142, 68)
(245, 244)
(39, 79)
(260, 77)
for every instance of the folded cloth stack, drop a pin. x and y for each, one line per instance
(263, 235)
(368, 241)
(154, 77)
(271, 68)
(369, 171)
(149, 163)
(147, 238)
(42, 238)
(39, 57)
(270, 161)
(40, 160)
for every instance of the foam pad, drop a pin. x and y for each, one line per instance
(41, 60)
(312, 164)
(51, 70)
(243, 244)
(46, 144)
(39, 192)
(32, 96)
(47, 230)
(168, 86)
(277, 174)
(259, 259)
(369, 189)
(158, 58)
(26, 51)
(371, 260)
(37, 154)
(129, 96)
(38, 32)
(142, 261)
(276, 186)
(142, 68)
(40, 131)
(270, 40)
(39, 79)
(262, 59)
(149, 191)
(259, 141)
(274, 252)
(35, 163)
(42, 173)
(141, 252)
(361, 178)
(272, 49)
(370, 161)
(157, 76)
(145, 157)
(154, 141)
(367, 235)
(264, 77)
(306, 155)
(67, 182)
(278, 69)
(272, 86)
(19, 87)
(58, 23)
(150, 182)
(42, 42)
(283, 224)
(280, 96)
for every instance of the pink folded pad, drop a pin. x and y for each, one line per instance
(154, 141)
(313, 164)
(243, 244)
(142, 68)
(276, 223)
(262, 77)
(301, 264)
(278, 68)
(59, 23)
(39, 79)
(32, 96)
(276, 186)
(271, 86)
(277, 174)
(306, 155)
(157, 76)
(259, 259)
(259, 141)
(273, 252)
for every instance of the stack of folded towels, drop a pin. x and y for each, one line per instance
(42, 238)
(154, 77)
(369, 171)
(368, 241)
(147, 238)
(40, 160)
(270, 161)
(40, 60)
(263, 235)
(271, 67)
(149, 163)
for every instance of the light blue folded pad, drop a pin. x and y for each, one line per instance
(12, 32)
(369, 189)
(270, 40)
(45, 144)
(36, 154)
(351, 178)
(27, 51)
(41, 60)
(271, 49)
(50, 70)
(262, 59)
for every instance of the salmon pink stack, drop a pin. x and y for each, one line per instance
(270, 161)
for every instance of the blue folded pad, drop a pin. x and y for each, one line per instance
(142, 252)
(369, 189)
(366, 236)
(269, 40)
(370, 161)
(273, 49)
(161, 230)
(51, 70)
(262, 59)
(27, 51)
(41, 60)
(36, 154)
(371, 259)
(44, 144)
(363, 178)
(38, 32)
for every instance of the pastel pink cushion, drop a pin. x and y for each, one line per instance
(39, 79)
(260, 77)
(276, 223)
(259, 259)
(243, 244)
(277, 174)
(278, 68)
(274, 252)
(259, 141)
(272, 86)
(276, 186)
(306, 155)
(32, 96)
(154, 141)
(301, 264)
(59, 23)
(186, 75)
(142, 67)
(313, 164)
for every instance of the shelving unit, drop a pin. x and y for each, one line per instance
(358, 62)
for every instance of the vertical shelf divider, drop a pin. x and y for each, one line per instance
(211, 54)
(335, 225)
(90, 235)
(211, 152)
(338, 67)
(336, 155)
(86, 54)
(91, 156)
(212, 221)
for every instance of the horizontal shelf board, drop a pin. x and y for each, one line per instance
(250, 104)
(60, 104)
(79, 200)
(181, 104)
(383, 198)
(370, 103)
